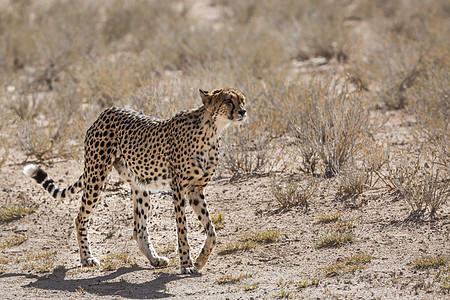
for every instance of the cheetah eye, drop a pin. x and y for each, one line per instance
(229, 102)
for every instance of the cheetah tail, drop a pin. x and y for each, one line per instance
(49, 185)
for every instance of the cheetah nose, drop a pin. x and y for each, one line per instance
(242, 112)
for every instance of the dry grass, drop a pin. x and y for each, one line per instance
(218, 220)
(443, 277)
(237, 247)
(226, 279)
(9, 213)
(348, 264)
(115, 261)
(340, 231)
(430, 262)
(41, 262)
(250, 241)
(330, 218)
(15, 241)
(336, 239)
(314, 281)
(262, 237)
(250, 287)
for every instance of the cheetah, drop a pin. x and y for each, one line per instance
(178, 154)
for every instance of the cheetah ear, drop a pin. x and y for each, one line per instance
(206, 97)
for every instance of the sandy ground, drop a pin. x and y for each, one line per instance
(269, 271)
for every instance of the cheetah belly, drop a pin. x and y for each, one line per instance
(157, 179)
(146, 177)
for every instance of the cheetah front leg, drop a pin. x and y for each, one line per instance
(141, 201)
(197, 201)
(187, 266)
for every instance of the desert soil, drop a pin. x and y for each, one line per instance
(268, 271)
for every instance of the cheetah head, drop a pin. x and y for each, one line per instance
(226, 105)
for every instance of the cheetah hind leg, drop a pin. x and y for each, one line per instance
(141, 200)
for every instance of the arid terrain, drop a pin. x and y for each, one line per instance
(337, 186)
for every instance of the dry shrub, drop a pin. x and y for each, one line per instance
(47, 125)
(304, 28)
(375, 157)
(431, 108)
(421, 182)
(4, 150)
(332, 125)
(110, 81)
(358, 176)
(17, 49)
(163, 99)
(294, 193)
(247, 151)
(42, 143)
(132, 20)
(352, 182)
(400, 37)
(48, 38)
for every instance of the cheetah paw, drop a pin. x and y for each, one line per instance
(160, 262)
(90, 262)
(189, 270)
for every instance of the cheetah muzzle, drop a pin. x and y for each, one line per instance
(180, 153)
